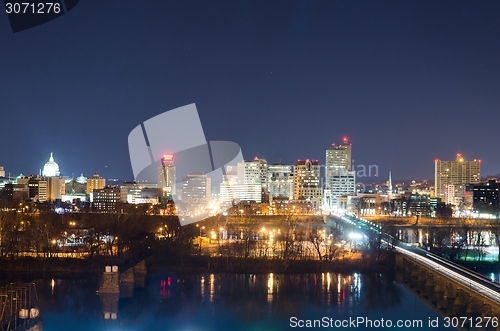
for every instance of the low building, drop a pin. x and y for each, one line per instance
(484, 196)
(107, 199)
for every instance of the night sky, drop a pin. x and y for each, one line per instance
(407, 82)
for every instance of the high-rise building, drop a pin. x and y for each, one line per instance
(241, 183)
(306, 182)
(339, 157)
(253, 172)
(95, 183)
(196, 187)
(166, 174)
(2, 172)
(452, 177)
(340, 179)
(279, 181)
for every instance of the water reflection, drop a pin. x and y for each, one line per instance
(227, 301)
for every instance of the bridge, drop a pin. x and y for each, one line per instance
(449, 287)
(119, 278)
(19, 308)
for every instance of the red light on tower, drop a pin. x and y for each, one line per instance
(345, 140)
(168, 157)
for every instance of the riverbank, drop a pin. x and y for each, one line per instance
(70, 268)
(77, 268)
(363, 263)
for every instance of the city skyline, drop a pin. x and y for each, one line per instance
(369, 172)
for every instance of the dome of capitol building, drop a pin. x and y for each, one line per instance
(82, 179)
(51, 168)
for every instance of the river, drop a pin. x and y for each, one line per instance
(219, 302)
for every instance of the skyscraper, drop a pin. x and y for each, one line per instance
(280, 181)
(253, 172)
(451, 178)
(166, 174)
(339, 157)
(340, 179)
(242, 182)
(306, 182)
(196, 187)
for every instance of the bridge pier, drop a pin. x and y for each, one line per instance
(461, 303)
(140, 273)
(110, 280)
(115, 285)
(439, 297)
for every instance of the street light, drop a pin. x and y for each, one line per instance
(201, 228)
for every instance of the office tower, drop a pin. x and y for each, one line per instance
(94, 183)
(51, 168)
(306, 182)
(2, 172)
(279, 181)
(252, 172)
(196, 187)
(451, 178)
(340, 179)
(241, 183)
(339, 157)
(166, 175)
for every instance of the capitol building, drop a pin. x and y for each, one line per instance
(51, 168)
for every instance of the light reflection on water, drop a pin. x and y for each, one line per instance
(208, 301)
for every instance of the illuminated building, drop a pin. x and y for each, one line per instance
(2, 172)
(451, 178)
(306, 182)
(279, 181)
(241, 183)
(196, 187)
(139, 193)
(339, 157)
(107, 199)
(42, 188)
(51, 168)
(340, 179)
(253, 172)
(485, 195)
(238, 192)
(166, 174)
(96, 182)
